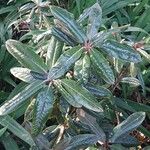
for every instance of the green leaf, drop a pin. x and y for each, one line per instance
(26, 56)
(17, 89)
(131, 80)
(111, 6)
(20, 110)
(91, 122)
(101, 36)
(102, 66)
(120, 51)
(84, 15)
(64, 62)
(26, 6)
(3, 96)
(7, 9)
(64, 36)
(82, 69)
(145, 131)
(77, 142)
(135, 29)
(38, 35)
(2, 131)
(42, 142)
(50, 51)
(39, 76)
(16, 129)
(43, 107)
(144, 54)
(28, 114)
(81, 95)
(64, 106)
(131, 105)
(127, 140)
(142, 82)
(117, 147)
(139, 106)
(2, 53)
(146, 148)
(123, 104)
(22, 96)
(94, 21)
(9, 80)
(67, 18)
(92, 148)
(54, 51)
(8, 142)
(22, 74)
(66, 95)
(98, 90)
(131, 123)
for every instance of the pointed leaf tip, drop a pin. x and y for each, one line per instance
(128, 125)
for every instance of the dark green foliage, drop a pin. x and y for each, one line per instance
(80, 74)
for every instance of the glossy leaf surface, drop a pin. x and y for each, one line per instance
(26, 56)
(98, 90)
(2, 131)
(43, 106)
(63, 36)
(131, 80)
(81, 95)
(54, 51)
(8, 142)
(94, 21)
(39, 76)
(102, 66)
(67, 18)
(82, 69)
(22, 74)
(64, 62)
(67, 96)
(120, 51)
(90, 121)
(131, 123)
(16, 129)
(22, 96)
(77, 142)
(127, 140)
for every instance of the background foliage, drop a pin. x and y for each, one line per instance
(74, 74)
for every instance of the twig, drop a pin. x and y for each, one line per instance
(120, 76)
(62, 129)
